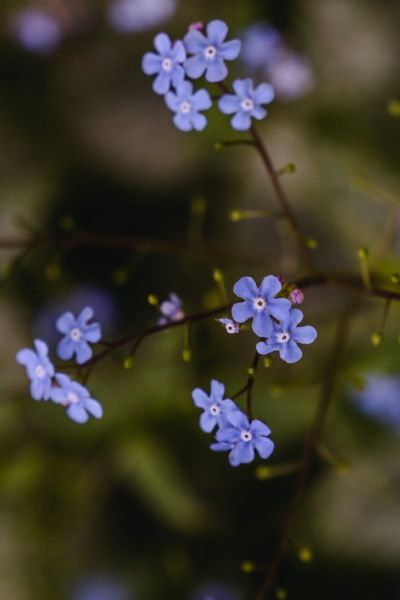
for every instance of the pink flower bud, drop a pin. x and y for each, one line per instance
(197, 26)
(296, 296)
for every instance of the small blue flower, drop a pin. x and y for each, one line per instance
(286, 336)
(167, 64)
(242, 438)
(231, 326)
(171, 310)
(78, 332)
(38, 368)
(76, 399)
(246, 103)
(260, 45)
(260, 304)
(214, 406)
(37, 30)
(210, 52)
(187, 105)
(380, 399)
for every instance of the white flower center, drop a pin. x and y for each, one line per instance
(167, 64)
(72, 398)
(247, 104)
(259, 303)
(246, 436)
(210, 52)
(283, 337)
(229, 328)
(185, 107)
(40, 371)
(75, 334)
(215, 410)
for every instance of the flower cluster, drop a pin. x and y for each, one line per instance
(46, 384)
(203, 53)
(234, 432)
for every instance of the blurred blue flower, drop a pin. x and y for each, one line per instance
(260, 303)
(380, 399)
(102, 588)
(210, 51)
(78, 332)
(187, 106)
(260, 44)
(214, 406)
(167, 64)
(286, 336)
(291, 76)
(76, 399)
(231, 326)
(171, 310)
(38, 368)
(243, 438)
(246, 103)
(215, 591)
(138, 15)
(36, 30)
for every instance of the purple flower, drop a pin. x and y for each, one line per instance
(230, 325)
(171, 310)
(260, 43)
(296, 296)
(187, 106)
(167, 64)
(246, 103)
(214, 406)
(243, 438)
(286, 336)
(210, 51)
(138, 15)
(38, 368)
(76, 399)
(78, 332)
(36, 30)
(260, 304)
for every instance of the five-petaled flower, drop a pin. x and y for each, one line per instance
(76, 399)
(210, 51)
(38, 368)
(78, 332)
(167, 64)
(231, 326)
(260, 304)
(214, 406)
(246, 103)
(187, 106)
(286, 336)
(171, 310)
(242, 438)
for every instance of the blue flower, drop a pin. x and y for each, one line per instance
(260, 304)
(246, 103)
(214, 406)
(139, 15)
(37, 31)
(261, 43)
(210, 52)
(380, 399)
(78, 332)
(231, 326)
(171, 310)
(243, 438)
(167, 64)
(187, 105)
(285, 337)
(38, 368)
(76, 399)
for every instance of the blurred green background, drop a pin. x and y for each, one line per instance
(136, 506)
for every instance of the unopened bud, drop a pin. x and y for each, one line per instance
(296, 296)
(152, 299)
(376, 338)
(312, 243)
(247, 566)
(236, 215)
(267, 362)
(128, 363)
(186, 355)
(395, 278)
(305, 555)
(363, 253)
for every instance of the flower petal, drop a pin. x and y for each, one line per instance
(85, 316)
(65, 348)
(162, 43)
(200, 398)
(221, 446)
(258, 113)
(243, 87)
(270, 287)
(201, 100)
(304, 335)
(207, 422)
(241, 121)
(230, 50)
(162, 83)
(195, 42)
(195, 66)
(216, 70)
(290, 352)
(217, 31)
(183, 122)
(151, 64)
(228, 104)
(172, 101)
(263, 93)
(246, 288)
(77, 413)
(83, 352)
(242, 311)
(259, 428)
(279, 308)
(177, 75)
(94, 408)
(37, 388)
(264, 446)
(217, 389)
(199, 121)
(238, 419)
(92, 333)
(228, 434)
(65, 322)
(262, 324)
(243, 452)
(178, 52)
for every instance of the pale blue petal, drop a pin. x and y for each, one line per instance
(228, 104)
(178, 52)
(217, 31)
(217, 389)
(262, 324)
(243, 452)
(241, 121)
(177, 75)
(77, 413)
(216, 70)
(304, 335)
(266, 347)
(279, 308)
(185, 90)
(94, 408)
(207, 422)
(201, 100)
(195, 66)
(290, 352)
(270, 287)
(258, 113)
(243, 87)
(230, 50)
(42, 349)
(85, 316)
(162, 43)
(65, 348)
(220, 446)
(264, 447)
(195, 42)
(228, 405)
(172, 101)
(246, 288)
(151, 64)
(238, 419)
(37, 388)
(228, 434)
(233, 460)
(83, 352)
(162, 83)
(182, 122)
(58, 395)
(200, 398)
(199, 121)
(241, 311)
(294, 318)
(63, 380)
(263, 94)
(66, 322)
(27, 358)
(92, 333)
(257, 427)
